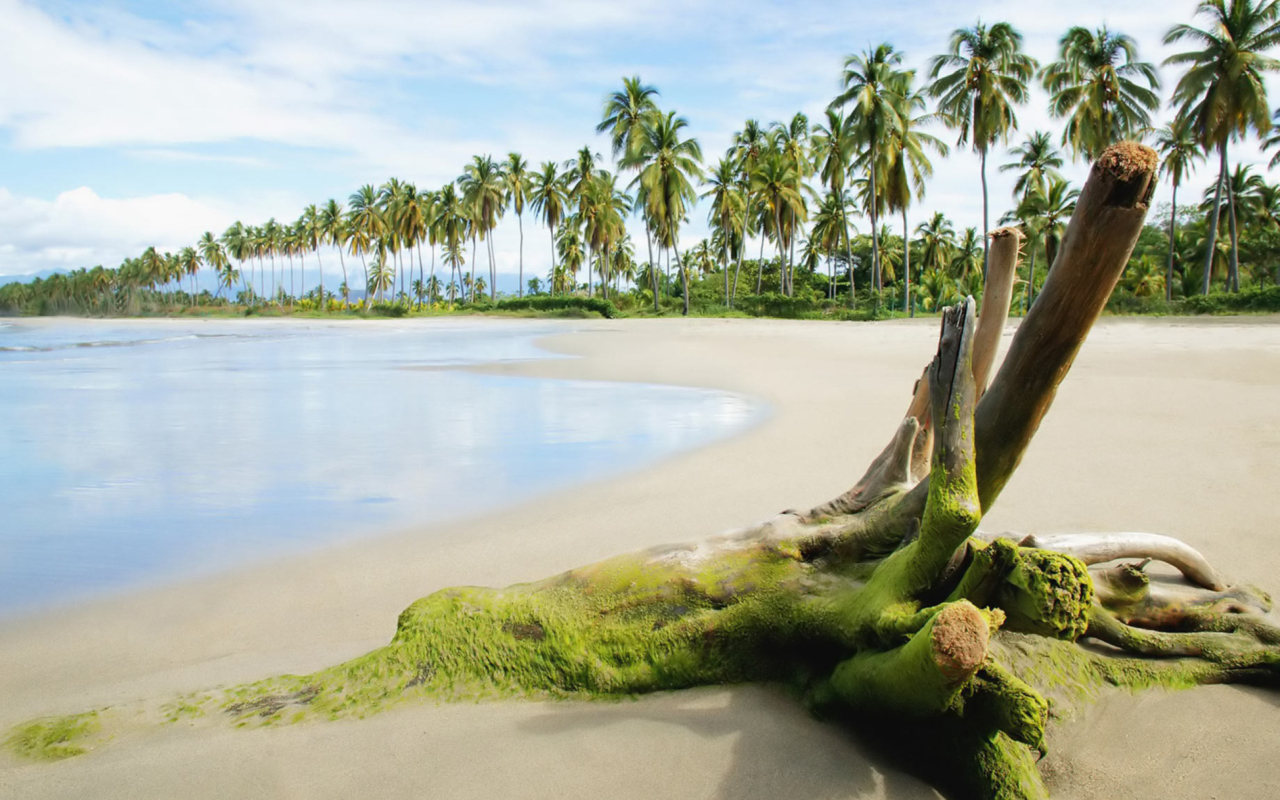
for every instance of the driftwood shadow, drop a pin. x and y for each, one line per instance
(778, 750)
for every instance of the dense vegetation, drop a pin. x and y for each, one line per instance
(797, 187)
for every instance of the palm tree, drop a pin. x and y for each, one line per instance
(834, 145)
(214, 255)
(776, 184)
(1178, 146)
(726, 206)
(189, 264)
(966, 259)
(792, 141)
(988, 77)
(333, 229)
(907, 168)
(547, 198)
(1096, 86)
(364, 226)
(452, 221)
(1038, 161)
(937, 240)
(391, 197)
(1223, 94)
(668, 165)
(516, 176)
(1054, 206)
(271, 243)
(238, 243)
(313, 236)
(625, 114)
(414, 221)
(874, 87)
(606, 207)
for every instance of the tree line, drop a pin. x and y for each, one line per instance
(795, 186)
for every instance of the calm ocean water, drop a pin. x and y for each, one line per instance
(138, 452)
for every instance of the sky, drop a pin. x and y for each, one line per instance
(125, 124)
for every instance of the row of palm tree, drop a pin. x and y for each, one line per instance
(790, 183)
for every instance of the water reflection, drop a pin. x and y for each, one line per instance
(193, 445)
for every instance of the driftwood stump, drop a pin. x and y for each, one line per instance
(886, 608)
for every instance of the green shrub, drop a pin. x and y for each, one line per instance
(389, 309)
(1257, 298)
(559, 303)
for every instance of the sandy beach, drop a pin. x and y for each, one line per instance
(1166, 425)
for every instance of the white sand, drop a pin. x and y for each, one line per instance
(1168, 425)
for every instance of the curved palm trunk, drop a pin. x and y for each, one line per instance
(1213, 216)
(555, 258)
(983, 158)
(346, 286)
(653, 270)
(876, 281)
(848, 251)
(291, 286)
(724, 264)
(782, 267)
(1234, 278)
(760, 264)
(590, 252)
(422, 275)
(520, 223)
(493, 271)
(684, 272)
(906, 263)
(323, 304)
(1173, 221)
(1031, 280)
(368, 295)
(737, 270)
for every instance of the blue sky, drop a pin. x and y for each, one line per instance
(130, 124)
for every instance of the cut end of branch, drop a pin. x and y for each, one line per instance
(1010, 230)
(1131, 168)
(959, 637)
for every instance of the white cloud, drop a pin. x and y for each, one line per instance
(79, 228)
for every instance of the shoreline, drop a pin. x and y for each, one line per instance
(1161, 426)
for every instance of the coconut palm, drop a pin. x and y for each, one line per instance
(189, 264)
(515, 175)
(907, 168)
(547, 198)
(986, 75)
(313, 236)
(238, 243)
(215, 256)
(452, 222)
(1097, 86)
(413, 222)
(333, 230)
(1037, 161)
(776, 184)
(874, 90)
(669, 164)
(1180, 151)
(606, 227)
(1223, 93)
(726, 209)
(364, 226)
(1054, 206)
(937, 239)
(625, 113)
(792, 141)
(835, 143)
(270, 243)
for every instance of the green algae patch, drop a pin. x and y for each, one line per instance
(54, 738)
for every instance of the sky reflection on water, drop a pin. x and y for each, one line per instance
(185, 446)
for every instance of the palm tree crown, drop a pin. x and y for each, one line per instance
(1097, 85)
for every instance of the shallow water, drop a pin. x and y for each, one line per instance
(138, 452)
